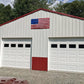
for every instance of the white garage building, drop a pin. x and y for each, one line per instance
(43, 40)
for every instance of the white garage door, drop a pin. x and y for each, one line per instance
(16, 53)
(66, 54)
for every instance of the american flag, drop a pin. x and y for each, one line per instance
(41, 23)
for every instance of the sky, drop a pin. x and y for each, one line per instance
(6, 2)
(58, 1)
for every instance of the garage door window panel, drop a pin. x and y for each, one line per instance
(72, 45)
(13, 45)
(6, 45)
(81, 45)
(20, 45)
(62, 45)
(53, 45)
(27, 45)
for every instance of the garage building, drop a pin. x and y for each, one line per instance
(43, 40)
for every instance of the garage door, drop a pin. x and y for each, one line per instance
(16, 53)
(66, 54)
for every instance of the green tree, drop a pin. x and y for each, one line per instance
(20, 7)
(5, 13)
(74, 8)
(1, 16)
(1, 7)
(24, 6)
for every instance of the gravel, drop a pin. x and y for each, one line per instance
(43, 77)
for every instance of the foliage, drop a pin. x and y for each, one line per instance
(20, 7)
(5, 13)
(24, 6)
(74, 8)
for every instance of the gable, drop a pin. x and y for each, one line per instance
(46, 10)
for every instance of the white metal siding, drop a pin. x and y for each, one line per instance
(66, 59)
(60, 26)
(16, 56)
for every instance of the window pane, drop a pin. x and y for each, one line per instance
(13, 45)
(27, 45)
(62, 45)
(53, 45)
(81, 45)
(6, 45)
(72, 45)
(20, 45)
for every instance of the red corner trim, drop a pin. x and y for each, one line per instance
(43, 10)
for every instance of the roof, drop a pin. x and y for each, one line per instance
(46, 11)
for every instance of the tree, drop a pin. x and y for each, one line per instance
(5, 13)
(24, 6)
(1, 7)
(20, 7)
(74, 8)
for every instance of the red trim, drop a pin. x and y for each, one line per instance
(43, 10)
(64, 14)
(39, 63)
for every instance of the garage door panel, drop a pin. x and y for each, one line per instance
(81, 53)
(68, 58)
(64, 59)
(66, 62)
(65, 68)
(65, 65)
(15, 64)
(25, 56)
(19, 55)
(16, 60)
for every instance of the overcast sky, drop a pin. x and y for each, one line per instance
(58, 1)
(6, 2)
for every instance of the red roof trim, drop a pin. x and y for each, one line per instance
(43, 10)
